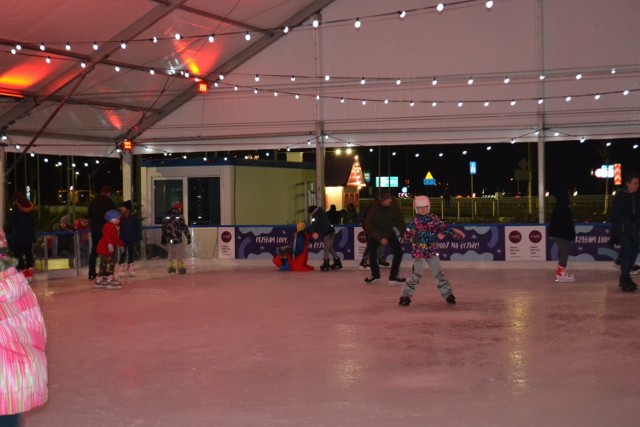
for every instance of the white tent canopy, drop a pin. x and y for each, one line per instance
(518, 41)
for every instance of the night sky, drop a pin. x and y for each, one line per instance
(569, 164)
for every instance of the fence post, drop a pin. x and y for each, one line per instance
(458, 200)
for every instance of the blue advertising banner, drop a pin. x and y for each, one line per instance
(263, 242)
(593, 243)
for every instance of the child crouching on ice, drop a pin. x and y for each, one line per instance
(424, 231)
(294, 257)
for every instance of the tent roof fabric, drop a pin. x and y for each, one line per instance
(522, 69)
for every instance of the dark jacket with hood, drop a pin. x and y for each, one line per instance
(562, 225)
(381, 220)
(625, 216)
(320, 223)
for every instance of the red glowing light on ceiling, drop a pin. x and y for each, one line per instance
(203, 87)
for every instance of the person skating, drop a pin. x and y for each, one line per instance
(131, 234)
(22, 228)
(107, 251)
(173, 228)
(321, 227)
(625, 216)
(423, 232)
(382, 221)
(97, 208)
(563, 231)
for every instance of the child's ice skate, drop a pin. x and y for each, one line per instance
(130, 271)
(101, 282)
(364, 266)
(450, 299)
(337, 264)
(121, 271)
(112, 283)
(404, 300)
(181, 268)
(170, 267)
(325, 265)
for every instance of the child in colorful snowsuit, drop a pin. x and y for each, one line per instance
(107, 251)
(23, 338)
(424, 231)
(131, 234)
(173, 227)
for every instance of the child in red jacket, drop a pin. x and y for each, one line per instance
(106, 250)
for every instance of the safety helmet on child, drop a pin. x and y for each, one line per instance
(111, 215)
(421, 202)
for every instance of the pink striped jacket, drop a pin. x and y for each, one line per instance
(23, 338)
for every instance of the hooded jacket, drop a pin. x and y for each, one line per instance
(381, 220)
(173, 227)
(625, 215)
(23, 338)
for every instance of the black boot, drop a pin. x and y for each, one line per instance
(626, 284)
(337, 264)
(325, 265)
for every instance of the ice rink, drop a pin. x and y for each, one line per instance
(241, 344)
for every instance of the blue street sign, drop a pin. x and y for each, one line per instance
(472, 168)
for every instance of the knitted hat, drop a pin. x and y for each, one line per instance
(112, 215)
(128, 205)
(65, 220)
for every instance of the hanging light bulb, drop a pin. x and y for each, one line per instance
(95, 46)
(152, 71)
(363, 81)
(255, 90)
(13, 51)
(540, 101)
(578, 76)
(489, 4)
(364, 102)
(117, 68)
(178, 37)
(460, 104)
(83, 64)
(440, 7)
(486, 103)
(507, 80)
(411, 103)
(235, 88)
(470, 81)
(489, 148)
(18, 47)
(42, 47)
(285, 29)
(542, 77)
(342, 100)
(556, 134)
(398, 81)
(67, 46)
(297, 96)
(357, 24)
(434, 81)
(434, 104)
(327, 78)
(582, 140)
(513, 141)
(247, 36)
(154, 39)
(626, 92)
(275, 93)
(386, 101)
(568, 98)
(221, 76)
(48, 60)
(402, 14)
(315, 23)
(123, 45)
(186, 74)
(257, 78)
(513, 102)
(597, 96)
(212, 38)
(613, 71)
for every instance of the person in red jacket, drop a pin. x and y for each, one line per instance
(106, 250)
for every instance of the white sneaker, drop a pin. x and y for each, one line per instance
(130, 271)
(121, 271)
(565, 277)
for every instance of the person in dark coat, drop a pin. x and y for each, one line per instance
(131, 234)
(625, 216)
(563, 231)
(384, 223)
(321, 227)
(334, 215)
(22, 228)
(99, 206)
